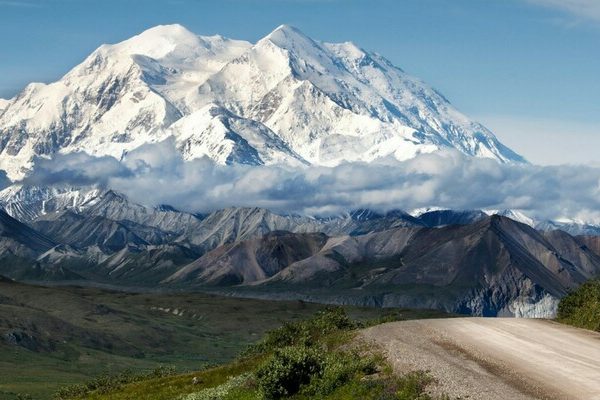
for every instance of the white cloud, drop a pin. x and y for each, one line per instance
(445, 179)
(585, 9)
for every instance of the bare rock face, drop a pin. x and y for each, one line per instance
(252, 260)
(19, 240)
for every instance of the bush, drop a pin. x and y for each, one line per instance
(305, 333)
(339, 369)
(221, 391)
(332, 319)
(413, 386)
(581, 307)
(287, 370)
(289, 334)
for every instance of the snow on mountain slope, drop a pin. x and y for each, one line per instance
(515, 215)
(27, 203)
(334, 103)
(570, 226)
(109, 104)
(286, 98)
(31, 203)
(230, 139)
(115, 206)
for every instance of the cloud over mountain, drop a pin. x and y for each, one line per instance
(287, 123)
(158, 174)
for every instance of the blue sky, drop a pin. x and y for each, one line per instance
(526, 68)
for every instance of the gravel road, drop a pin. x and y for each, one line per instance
(496, 358)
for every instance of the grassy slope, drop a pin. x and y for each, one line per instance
(77, 333)
(337, 345)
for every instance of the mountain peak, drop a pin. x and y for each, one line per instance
(159, 41)
(175, 31)
(286, 35)
(516, 215)
(111, 194)
(286, 29)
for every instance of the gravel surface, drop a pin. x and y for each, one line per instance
(496, 358)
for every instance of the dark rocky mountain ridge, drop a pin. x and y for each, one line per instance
(460, 261)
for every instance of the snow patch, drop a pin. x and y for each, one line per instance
(546, 307)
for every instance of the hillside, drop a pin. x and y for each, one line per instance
(51, 337)
(495, 266)
(310, 359)
(330, 356)
(19, 239)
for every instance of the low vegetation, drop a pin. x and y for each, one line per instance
(316, 358)
(53, 337)
(581, 307)
(109, 383)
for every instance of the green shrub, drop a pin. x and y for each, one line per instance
(221, 391)
(305, 333)
(338, 369)
(581, 307)
(284, 373)
(289, 334)
(332, 319)
(382, 387)
(295, 363)
(412, 386)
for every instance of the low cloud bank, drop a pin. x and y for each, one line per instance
(156, 174)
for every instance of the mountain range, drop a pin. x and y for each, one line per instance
(284, 99)
(460, 261)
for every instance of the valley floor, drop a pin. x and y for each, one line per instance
(496, 358)
(52, 337)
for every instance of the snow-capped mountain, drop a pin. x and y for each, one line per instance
(571, 227)
(285, 99)
(27, 203)
(515, 215)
